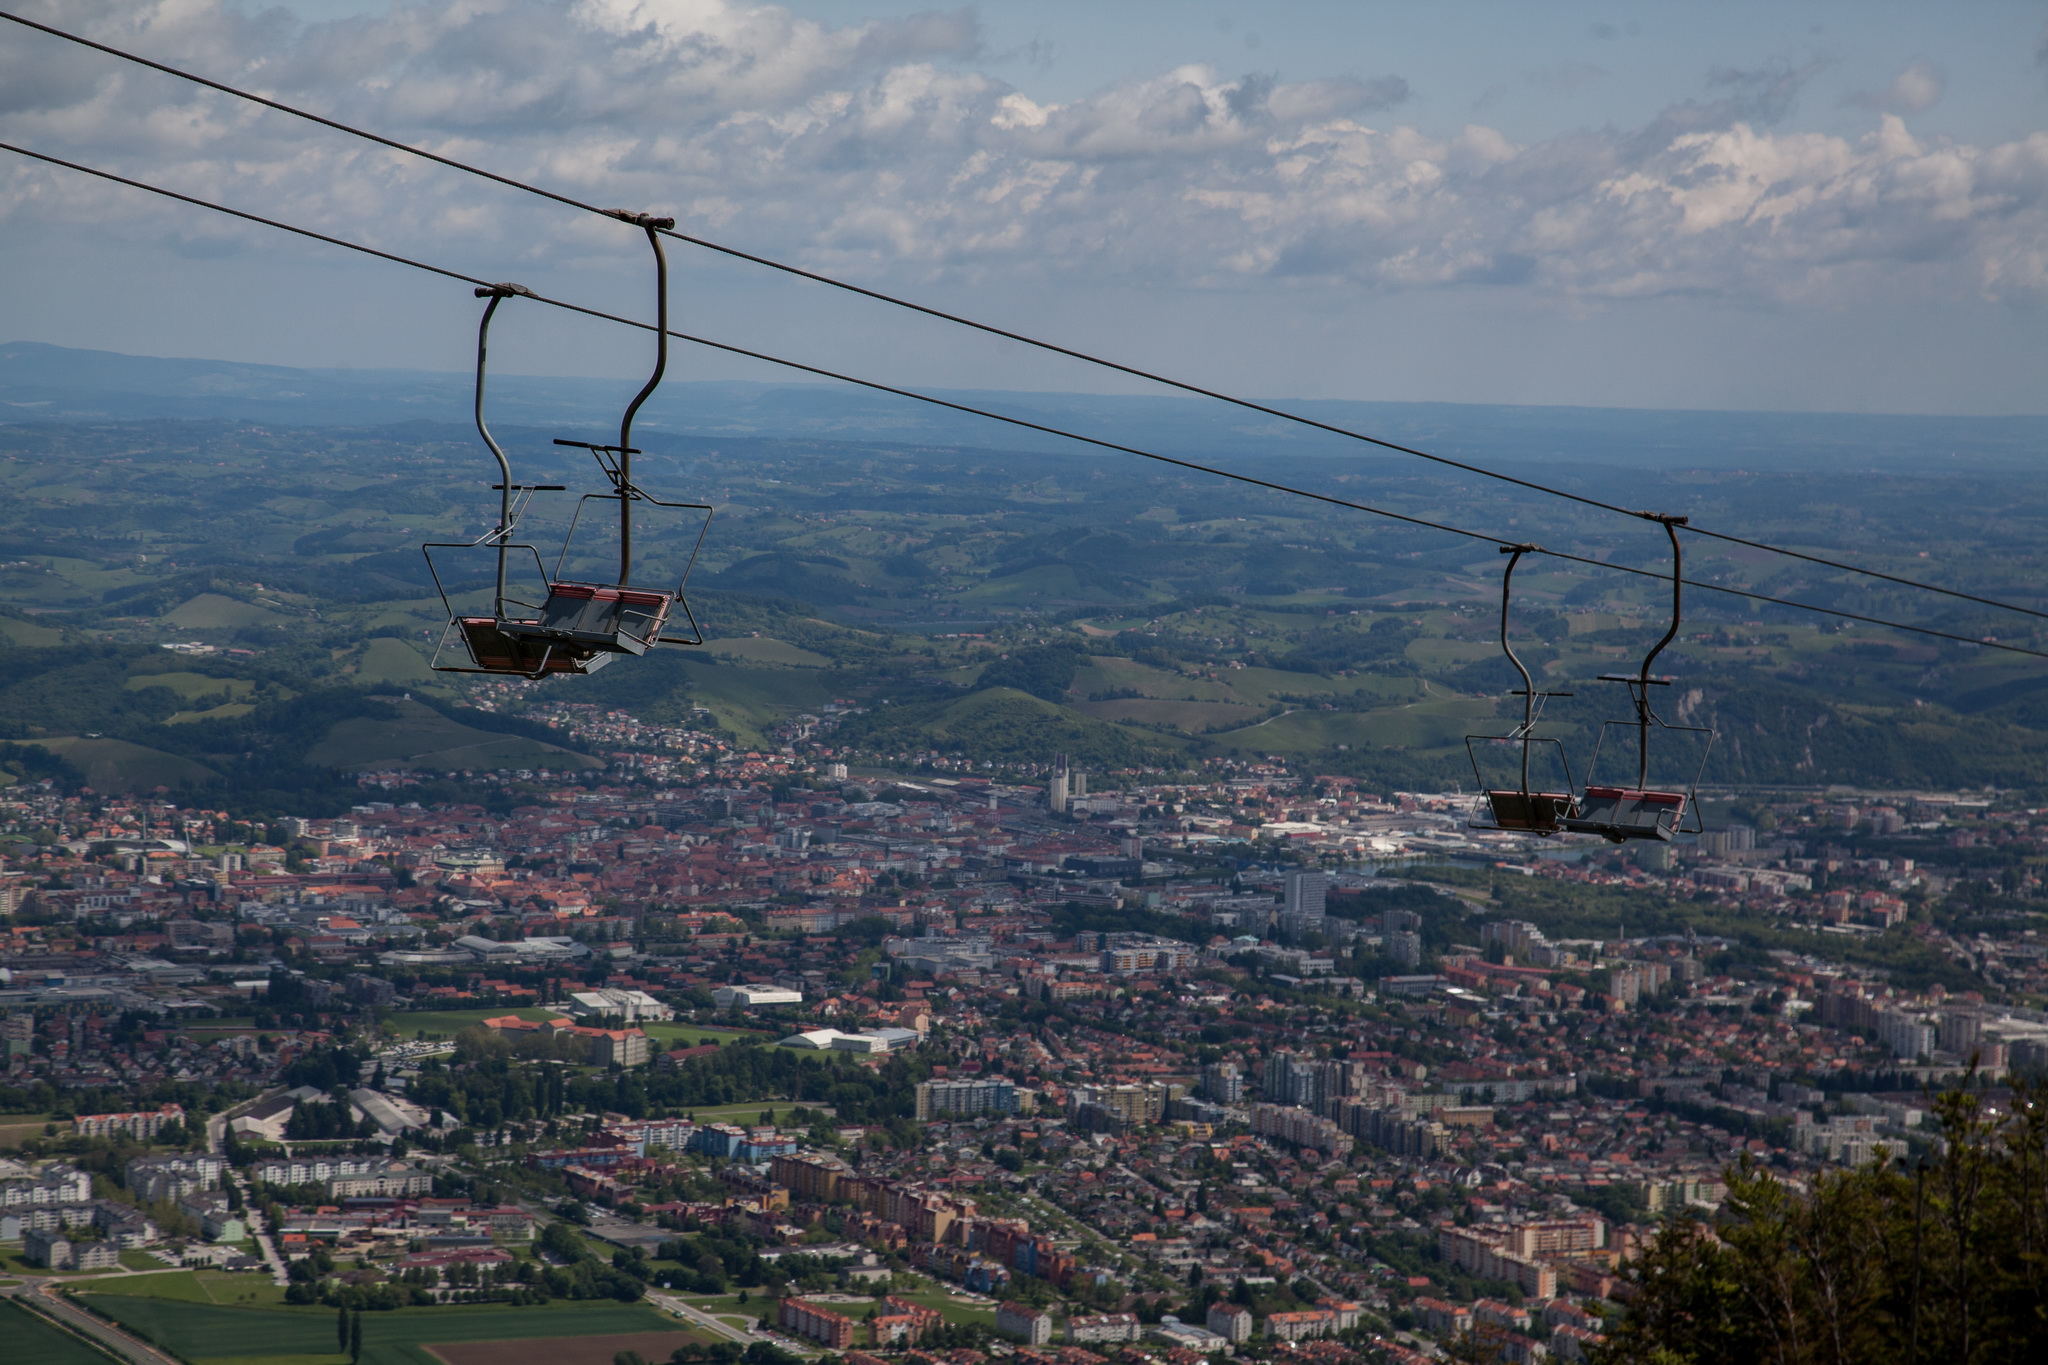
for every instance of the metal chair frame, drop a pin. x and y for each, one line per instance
(564, 634)
(1520, 810)
(1602, 808)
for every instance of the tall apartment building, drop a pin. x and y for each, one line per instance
(18, 1035)
(1300, 1128)
(1907, 1035)
(990, 1095)
(1019, 1322)
(174, 1177)
(815, 1322)
(1126, 1105)
(1307, 893)
(1230, 1321)
(1056, 787)
(1223, 1082)
(810, 1176)
(1516, 938)
(1290, 1079)
(1303, 908)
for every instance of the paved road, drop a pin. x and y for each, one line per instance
(256, 1230)
(129, 1348)
(216, 1142)
(697, 1317)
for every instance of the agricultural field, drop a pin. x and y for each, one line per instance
(208, 1334)
(216, 1287)
(592, 1350)
(33, 1341)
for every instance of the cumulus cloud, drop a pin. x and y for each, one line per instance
(883, 149)
(1913, 91)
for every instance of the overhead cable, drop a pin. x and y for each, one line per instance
(1007, 335)
(1024, 423)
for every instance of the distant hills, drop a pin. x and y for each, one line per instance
(43, 383)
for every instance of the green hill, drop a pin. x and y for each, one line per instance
(417, 736)
(115, 765)
(1004, 724)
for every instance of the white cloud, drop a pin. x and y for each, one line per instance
(881, 149)
(1914, 90)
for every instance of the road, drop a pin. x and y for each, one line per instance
(216, 1142)
(131, 1349)
(697, 1317)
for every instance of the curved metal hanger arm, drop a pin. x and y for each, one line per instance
(653, 227)
(1642, 687)
(497, 294)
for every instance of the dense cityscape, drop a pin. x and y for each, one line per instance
(939, 1065)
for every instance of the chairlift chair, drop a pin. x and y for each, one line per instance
(1619, 814)
(579, 627)
(1521, 809)
(490, 647)
(619, 618)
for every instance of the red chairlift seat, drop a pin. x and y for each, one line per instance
(1619, 814)
(602, 617)
(1531, 812)
(495, 651)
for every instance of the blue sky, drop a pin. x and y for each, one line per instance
(1801, 206)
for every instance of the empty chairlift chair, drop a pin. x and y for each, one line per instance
(578, 627)
(1621, 813)
(490, 641)
(620, 618)
(1523, 808)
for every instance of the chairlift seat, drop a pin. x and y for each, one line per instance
(496, 651)
(609, 618)
(1531, 812)
(1620, 814)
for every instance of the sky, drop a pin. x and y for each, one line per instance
(1795, 206)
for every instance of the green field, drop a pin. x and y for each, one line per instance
(33, 1341)
(196, 1286)
(749, 699)
(305, 1336)
(765, 650)
(941, 1300)
(393, 661)
(448, 1023)
(29, 634)
(212, 611)
(15, 1128)
(751, 1113)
